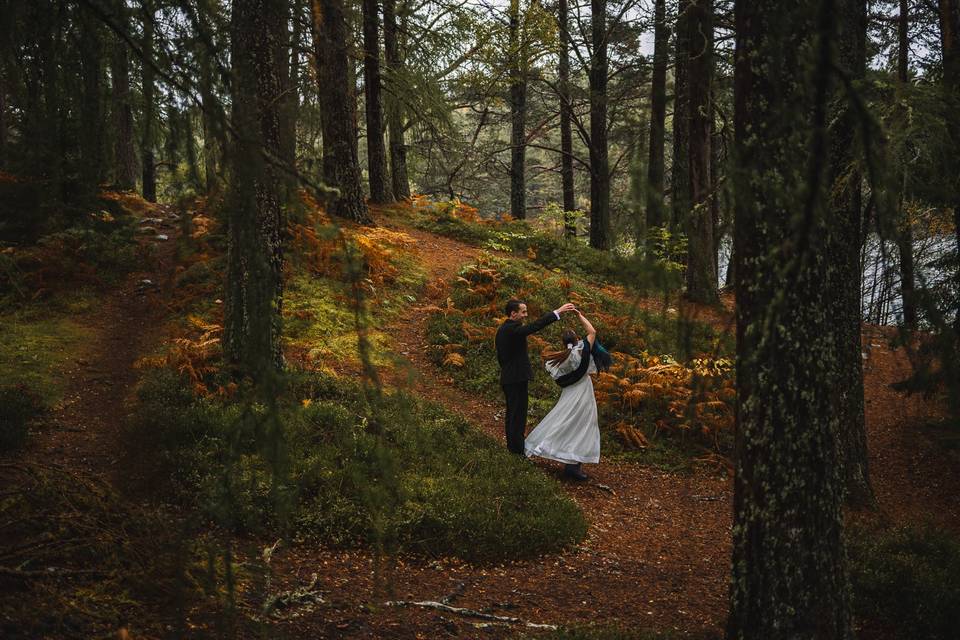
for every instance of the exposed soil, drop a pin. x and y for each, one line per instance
(657, 551)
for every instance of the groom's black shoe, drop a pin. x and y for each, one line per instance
(573, 472)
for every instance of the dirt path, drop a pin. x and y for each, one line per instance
(658, 547)
(83, 433)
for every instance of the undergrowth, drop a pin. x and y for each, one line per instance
(392, 472)
(908, 580)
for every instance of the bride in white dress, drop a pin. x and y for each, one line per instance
(570, 433)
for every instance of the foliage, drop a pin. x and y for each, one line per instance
(907, 578)
(643, 397)
(19, 404)
(396, 472)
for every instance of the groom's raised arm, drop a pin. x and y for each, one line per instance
(538, 324)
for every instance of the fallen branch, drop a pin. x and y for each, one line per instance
(472, 613)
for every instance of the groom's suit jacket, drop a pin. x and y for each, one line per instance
(512, 348)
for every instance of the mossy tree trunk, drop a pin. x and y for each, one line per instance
(679, 170)
(254, 299)
(701, 274)
(148, 125)
(789, 578)
(656, 216)
(376, 150)
(394, 106)
(600, 231)
(340, 161)
(566, 118)
(518, 114)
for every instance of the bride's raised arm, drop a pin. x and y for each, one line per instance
(591, 332)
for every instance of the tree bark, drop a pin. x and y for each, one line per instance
(91, 125)
(341, 165)
(125, 155)
(600, 231)
(394, 108)
(289, 57)
(566, 121)
(656, 216)
(905, 230)
(518, 115)
(789, 578)
(844, 254)
(950, 43)
(148, 168)
(213, 132)
(376, 151)
(701, 272)
(679, 170)
(254, 300)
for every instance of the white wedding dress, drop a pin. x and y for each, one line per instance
(570, 433)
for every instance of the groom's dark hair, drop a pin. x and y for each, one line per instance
(513, 305)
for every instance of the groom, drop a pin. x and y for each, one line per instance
(515, 371)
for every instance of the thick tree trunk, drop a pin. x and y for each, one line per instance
(376, 151)
(148, 168)
(600, 231)
(189, 146)
(518, 115)
(254, 300)
(844, 254)
(656, 216)
(789, 577)
(680, 169)
(701, 249)
(91, 125)
(566, 121)
(124, 155)
(394, 107)
(341, 165)
(905, 231)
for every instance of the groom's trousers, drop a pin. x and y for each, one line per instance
(516, 421)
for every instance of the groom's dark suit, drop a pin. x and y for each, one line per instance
(515, 373)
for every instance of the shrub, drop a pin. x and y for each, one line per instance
(908, 579)
(19, 405)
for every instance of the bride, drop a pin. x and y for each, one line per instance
(570, 433)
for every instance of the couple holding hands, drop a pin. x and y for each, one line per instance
(570, 433)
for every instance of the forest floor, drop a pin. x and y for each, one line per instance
(657, 552)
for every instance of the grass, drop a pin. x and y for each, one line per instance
(36, 346)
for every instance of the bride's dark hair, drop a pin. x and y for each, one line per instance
(569, 337)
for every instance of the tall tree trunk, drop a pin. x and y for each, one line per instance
(566, 121)
(518, 115)
(189, 145)
(656, 216)
(125, 155)
(905, 231)
(149, 175)
(789, 578)
(290, 104)
(213, 132)
(394, 107)
(844, 254)
(599, 161)
(680, 169)
(376, 151)
(701, 249)
(254, 300)
(91, 125)
(341, 165)
(950, 43)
